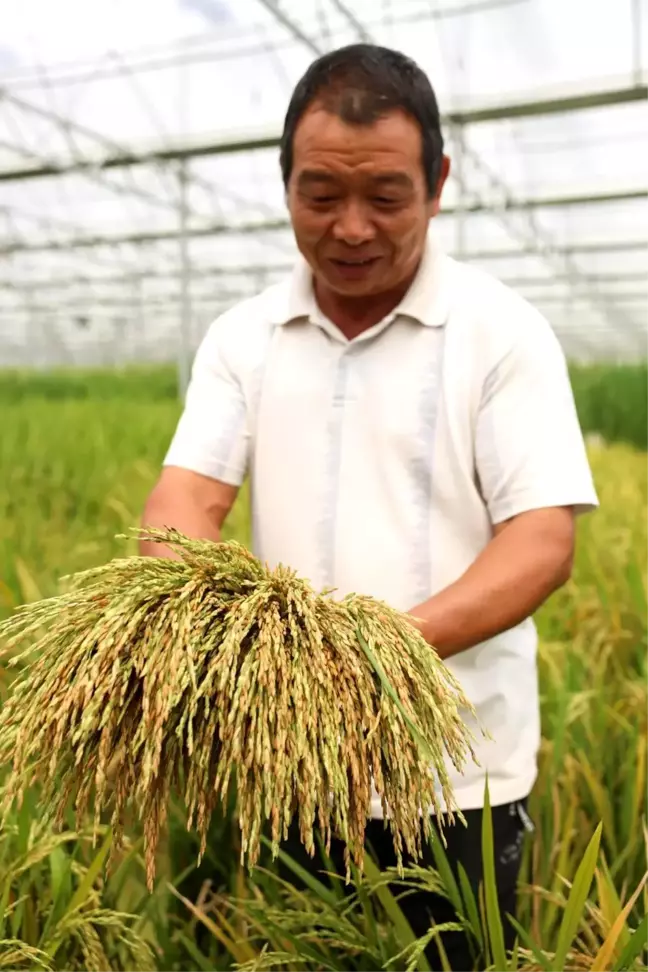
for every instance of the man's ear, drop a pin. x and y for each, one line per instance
(435, 201)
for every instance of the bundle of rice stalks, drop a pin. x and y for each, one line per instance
(150, 676)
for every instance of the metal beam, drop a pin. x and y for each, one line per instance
(620, 246)
(70, 128)
(184, 295)
(542, 202)
(563, 278)
(273, 7)
(173, 298)
(260, 140)
(200, 273)
(163, 154)
(637, 37)
(552, 106)
(271, 226)
(631, 296)
(201, 49)
(579, 246)
(359, 28)
(128, 279)
(154, 236)
(108, 306)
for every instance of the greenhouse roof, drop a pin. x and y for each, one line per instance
(139, 178)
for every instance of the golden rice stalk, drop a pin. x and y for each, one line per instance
(16, 954)
(151, 676)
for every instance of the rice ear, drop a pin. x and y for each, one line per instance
(151, 677)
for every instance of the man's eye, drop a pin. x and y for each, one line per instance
(386, 201)
(323, 199)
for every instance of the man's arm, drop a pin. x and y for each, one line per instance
(529, 557)
(195, 505)
(534, 478)
(207, 459)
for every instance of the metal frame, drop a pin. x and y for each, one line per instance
(260, 140)
(518, 215)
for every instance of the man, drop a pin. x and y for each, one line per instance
(407, 422)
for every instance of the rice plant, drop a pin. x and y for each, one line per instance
(74, 474)
(56, 909)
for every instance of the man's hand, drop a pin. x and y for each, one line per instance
(529, 557)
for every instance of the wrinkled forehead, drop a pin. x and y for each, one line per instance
(388, 150)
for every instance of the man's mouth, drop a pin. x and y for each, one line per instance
(364, 262)
(354, 269)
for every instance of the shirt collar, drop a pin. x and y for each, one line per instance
(426, 301)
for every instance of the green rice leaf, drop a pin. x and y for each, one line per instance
(575, 907)
(493, 917)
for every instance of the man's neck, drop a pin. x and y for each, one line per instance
(355, 315)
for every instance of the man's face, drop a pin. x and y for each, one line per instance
(359, 202)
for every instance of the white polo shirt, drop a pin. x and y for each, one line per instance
(379, 465)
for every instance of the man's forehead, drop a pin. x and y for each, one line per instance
(387, 131)
(386, 152)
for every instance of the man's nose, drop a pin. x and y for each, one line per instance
(353, 224)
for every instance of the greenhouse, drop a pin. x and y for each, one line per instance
(142, 201)
(141, 190)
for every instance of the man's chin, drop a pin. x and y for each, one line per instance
(367, 287)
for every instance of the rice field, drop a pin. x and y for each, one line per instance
(77, 458)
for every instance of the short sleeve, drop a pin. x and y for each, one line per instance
(212, 437)
(530, 451)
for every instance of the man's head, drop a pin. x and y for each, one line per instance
(363, 166)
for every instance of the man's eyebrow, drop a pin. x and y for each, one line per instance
(396, 179)
(314, 175)
(393, 179)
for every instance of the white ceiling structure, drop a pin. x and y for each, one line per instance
(140, 191)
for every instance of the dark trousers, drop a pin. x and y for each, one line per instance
(463, 846)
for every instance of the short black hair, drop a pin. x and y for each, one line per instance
(361, 83)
